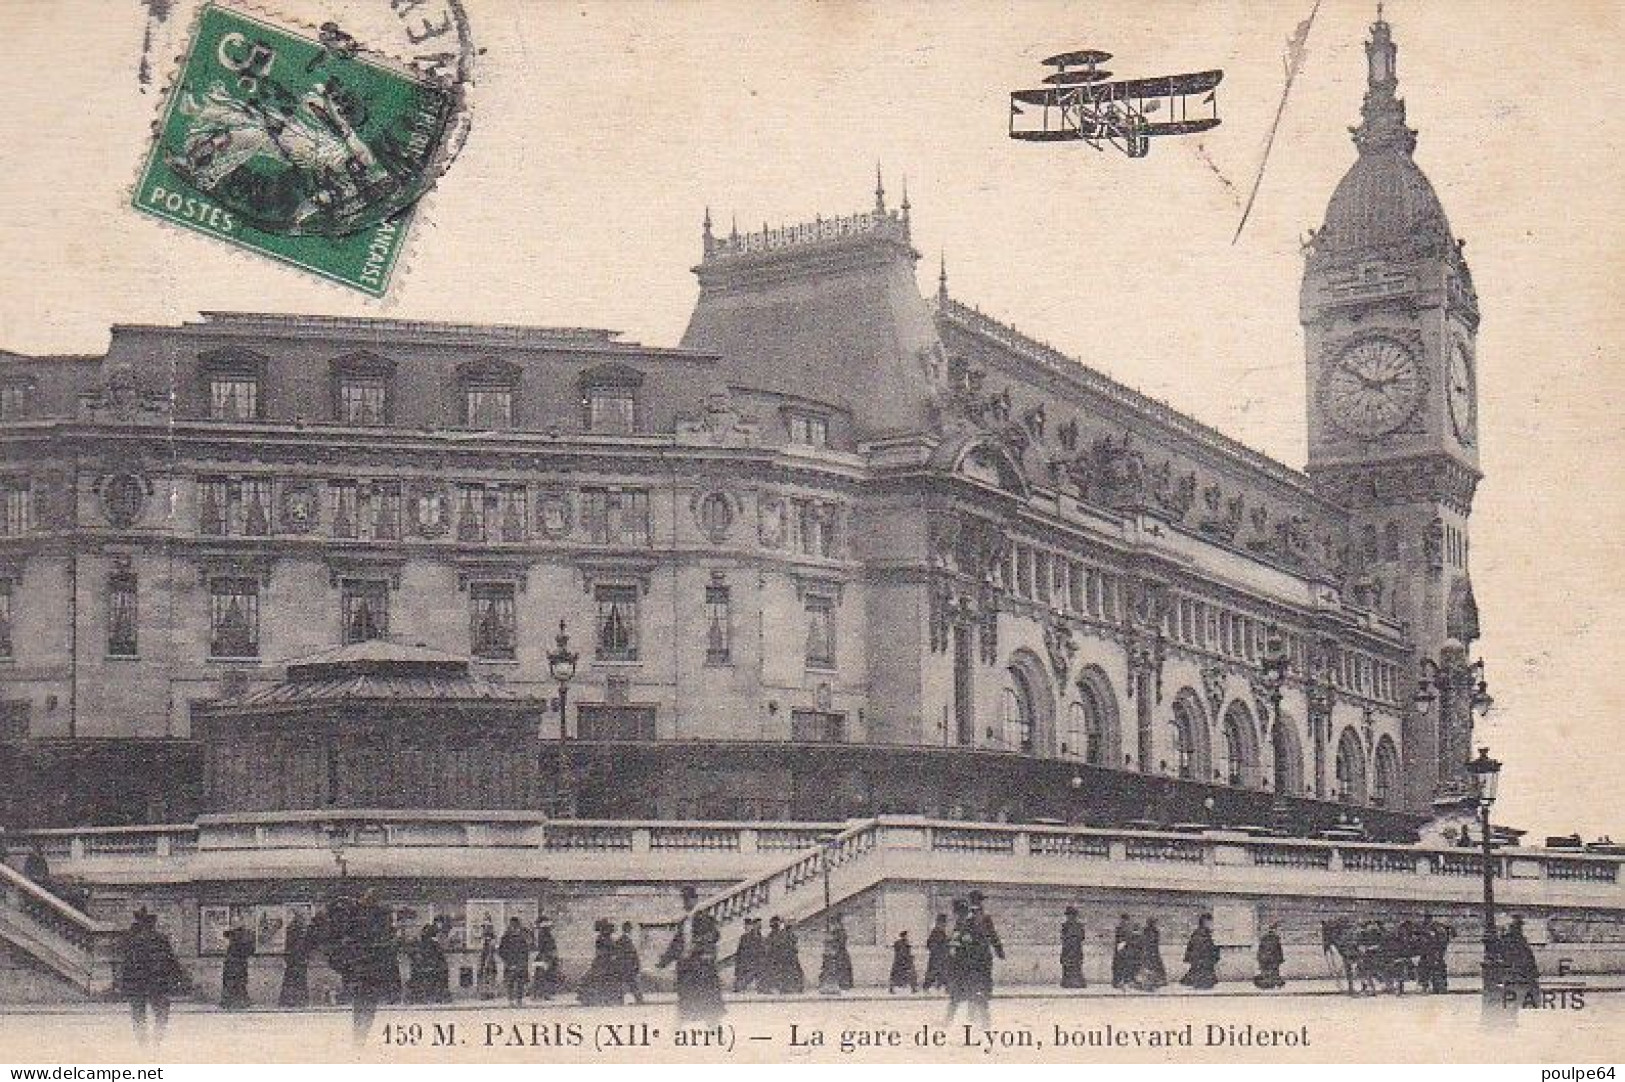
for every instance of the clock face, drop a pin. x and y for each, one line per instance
(1462, 396)
(1373, 387)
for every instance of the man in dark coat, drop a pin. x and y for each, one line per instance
(1072, 949)
(749, 957)
(234, 974)
(693, 949)
(514, 949)
(630, 966)
(1518, 957)
(1270, 959)
(1432, 972)
(936, 955)
(975, 945)
(1149, 973)
(1124, 959)
(148, 975)
(431, 971)
(1201, 956)
(782, 970)
(903, 974)
(296, 964)
(371, 966)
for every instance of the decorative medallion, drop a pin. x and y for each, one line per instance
(714, 511)
(301, 506)
(123, 494)
(431, 510)
(553, 516)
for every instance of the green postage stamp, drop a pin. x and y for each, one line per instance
(303, 147)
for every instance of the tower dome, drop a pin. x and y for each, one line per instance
(1384, 199)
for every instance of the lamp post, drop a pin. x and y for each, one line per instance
(825, 843)
(561, 662)
(336, 837)
(1486, 773)
(1445, 681)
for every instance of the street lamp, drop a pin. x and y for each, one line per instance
(561, 662)
(1486, 773)
(826, 842)
(337, 835)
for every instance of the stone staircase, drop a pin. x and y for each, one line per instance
(45, 936)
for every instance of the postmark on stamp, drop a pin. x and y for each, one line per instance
(301, 146)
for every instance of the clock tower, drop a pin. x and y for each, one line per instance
(1390, 320)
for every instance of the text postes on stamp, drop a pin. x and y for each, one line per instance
(299, 146)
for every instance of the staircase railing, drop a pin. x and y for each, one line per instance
(806, 866)
(54, 933)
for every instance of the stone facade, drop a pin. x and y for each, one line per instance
(840, 515)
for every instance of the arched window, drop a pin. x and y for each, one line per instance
(1237, 768)
(1288, 759)
(1187, 737)
(1016, 723)
(1087, 722)
(1350, 768)
(1385, 776)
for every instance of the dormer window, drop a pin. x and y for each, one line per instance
(609, 399)
(808, 429)
(488, 394)
(233, 384)
(361, 389)
(16, 399)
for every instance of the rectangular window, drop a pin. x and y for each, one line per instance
(5, 618)
(718, 625)
(346, 509)
(16, 399)
(14, 719)
(817, 727)
(363, 400)
(1041, 573)
(809, 429)
(600, 721)
(1075, 585)
(1024, 572)
(1097, 605)
(611, 410)
(364, 607)
(16, 507)
(256, 495)
(617, 622)
(1108, 592)
(820, 633)
(121, 615)
(234, 398)
(508, 513)
(815, 528)
(492, 622)
(234, 618)
(470, 512)
(488, 406)
(385, 512)
(616, 516)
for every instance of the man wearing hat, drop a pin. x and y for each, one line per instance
(149, 973)
(694, 950)
(1072, 949)
(748, 957)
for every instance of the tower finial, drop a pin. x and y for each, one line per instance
(707, 240)
(942, 276)
(1382, 123)
(905, 207)
(880, 191)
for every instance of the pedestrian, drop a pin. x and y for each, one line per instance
(374, 964)
(1201, 956)
(36, 867)
(430, 981)
(601, 984)
(1434, 974)
(514, 950)
(485, 971)
(976, 944)
(936, 955)
(1521, 969)
(1072, 949)
(903, 972)
(149, 972)
(1149, 974)
(693, 949)
(783, 974)
(1270, 958)
(296, 949)
(835, 968)
(234, 973)
(1125, 952)
(547, 978)
(631, 966)
(750, 957)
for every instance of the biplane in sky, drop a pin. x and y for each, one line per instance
(1077, 104)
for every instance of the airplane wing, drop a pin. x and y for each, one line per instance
(1163, 86)
(1181, 127)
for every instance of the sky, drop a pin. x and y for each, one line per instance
(601, 133)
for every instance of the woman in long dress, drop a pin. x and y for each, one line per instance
(1149, 974)
(1201, 956)
(234, 975)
